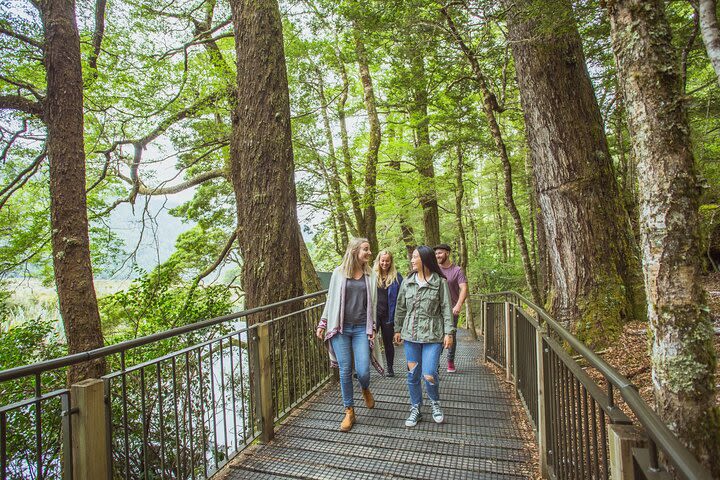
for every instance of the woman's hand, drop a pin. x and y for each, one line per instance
(396, 339)
(320, 333)
(448, 341)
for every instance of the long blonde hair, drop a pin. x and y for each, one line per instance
(350, 261)
(385, 281)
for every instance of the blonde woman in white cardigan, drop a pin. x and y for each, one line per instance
(347, 323)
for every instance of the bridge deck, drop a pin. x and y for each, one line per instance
(480, 439)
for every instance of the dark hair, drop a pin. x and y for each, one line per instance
(427, 256)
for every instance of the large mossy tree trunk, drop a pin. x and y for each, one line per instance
(682, 354)
(261, 157)
(596, 283)
(68, 201)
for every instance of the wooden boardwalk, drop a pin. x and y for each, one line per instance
(480, 439)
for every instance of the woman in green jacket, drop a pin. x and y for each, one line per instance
(423, 320)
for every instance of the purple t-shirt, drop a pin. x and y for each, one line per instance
(455, 277)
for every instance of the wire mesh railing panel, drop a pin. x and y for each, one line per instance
(495, 328)
(35, 441)
(182, 415)
(526, 370)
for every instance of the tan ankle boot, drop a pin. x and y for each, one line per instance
(349, 419)
(369, 400)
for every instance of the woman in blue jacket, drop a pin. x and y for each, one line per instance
(388, 285)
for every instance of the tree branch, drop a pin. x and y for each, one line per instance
(21, 37)
(22, 104)
(163, 190)
(98, 33)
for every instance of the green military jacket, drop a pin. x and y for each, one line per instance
(423, 314)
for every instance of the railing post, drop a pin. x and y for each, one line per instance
(484, 329)
(264, 381)
(89, 430)
(514, 347)
(543, 404)
(622, 439)
(508, 342)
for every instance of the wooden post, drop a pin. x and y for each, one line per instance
(508, 342)
(89, 430)
(543, 404)
(514, 349)
(622, 439)
(267, 412)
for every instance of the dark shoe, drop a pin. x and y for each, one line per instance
(390, 372)
(349, 420)
(369, 399)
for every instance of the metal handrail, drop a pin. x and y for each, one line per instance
(659, 433)
(74, 359)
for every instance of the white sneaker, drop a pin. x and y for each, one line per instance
(437, 414)
(414, 417)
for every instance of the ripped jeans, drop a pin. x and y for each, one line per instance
(425, 356)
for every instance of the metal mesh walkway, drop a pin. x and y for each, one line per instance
(480, 438)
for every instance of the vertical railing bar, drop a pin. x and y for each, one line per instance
(109, 425)
(554, 406)
(3, 446)
(213, 404)
(611, 395)
(178, 462)
(567, 454)
(588, 453)
(653, 455)
(596, 449)
(190, 414)
(67, 460)
(579, 432)
(126, 433)
(202, 410)
(38, 425)
(161, 419)
(280, 382)
(222, 392)
(603, 438)
(246, 417)
(232, 393)
(145, 426)
(304, 363)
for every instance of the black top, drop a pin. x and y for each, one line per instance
(355, 302)
(382, 305)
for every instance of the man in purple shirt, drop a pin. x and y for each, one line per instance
(457, 282)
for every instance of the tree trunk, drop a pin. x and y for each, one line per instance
(490, 106)
(68, 203)
(336, 197)
(459, 194)
(347, 160)
(682, 355)
(502, 245)
(596, 283)
(423, 150)
(371, 160)
(310, 280)
(710, 32)
(261, 157)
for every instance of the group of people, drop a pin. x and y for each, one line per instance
(420, 311)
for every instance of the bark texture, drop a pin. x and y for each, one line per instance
(423, 150)
(261, 157)
(370, 194)
(682, 355)
(710, 32)
(68, 205)
(596, 283)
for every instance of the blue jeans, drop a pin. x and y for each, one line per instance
(425, 356)
(352, 343)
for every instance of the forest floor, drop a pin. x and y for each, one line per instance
(629, 356)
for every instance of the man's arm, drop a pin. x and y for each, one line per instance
(461, 299)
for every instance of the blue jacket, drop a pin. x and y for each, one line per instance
(393, 290)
